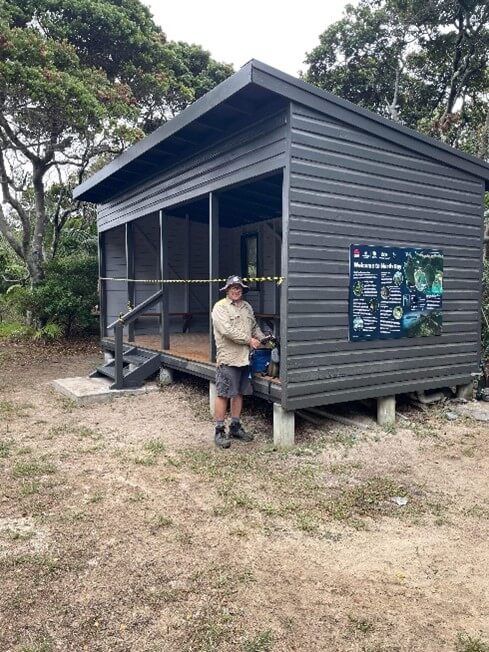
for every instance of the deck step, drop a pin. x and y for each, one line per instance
(138, 365)
(135, 359)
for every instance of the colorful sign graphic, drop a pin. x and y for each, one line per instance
(395, 292)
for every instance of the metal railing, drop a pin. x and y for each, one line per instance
(118, 326)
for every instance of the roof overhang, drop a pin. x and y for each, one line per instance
(253, 85)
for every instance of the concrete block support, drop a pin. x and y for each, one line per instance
(283, 426)
(386, 410)
(466, 391)
(212, 398)
(165, 376)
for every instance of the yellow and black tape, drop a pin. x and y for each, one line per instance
(158, 281)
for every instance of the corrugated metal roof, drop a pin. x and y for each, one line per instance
(254, 84)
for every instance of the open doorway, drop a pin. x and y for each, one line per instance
(250, 237)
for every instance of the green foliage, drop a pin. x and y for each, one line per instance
(422, 63)
(15, 331)
(63, 303)
(485, 306)
(79, 80)
(466, 643)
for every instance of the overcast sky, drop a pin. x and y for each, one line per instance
(273, 31)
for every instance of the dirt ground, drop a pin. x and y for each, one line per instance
(122, 528)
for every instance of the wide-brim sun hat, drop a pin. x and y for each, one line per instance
(234, 280)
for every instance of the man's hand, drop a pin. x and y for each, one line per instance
(254, 343)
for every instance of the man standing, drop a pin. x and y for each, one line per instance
(235, 332)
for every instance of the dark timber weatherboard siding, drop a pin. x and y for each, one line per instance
(347, 187)
(349, 176)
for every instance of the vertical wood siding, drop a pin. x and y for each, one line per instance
(116, 291)
(350, 187)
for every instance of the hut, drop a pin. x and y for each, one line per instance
(364, 239)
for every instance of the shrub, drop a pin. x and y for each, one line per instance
(64, 301)
(485, 306)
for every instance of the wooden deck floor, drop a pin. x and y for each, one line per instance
(191, 346)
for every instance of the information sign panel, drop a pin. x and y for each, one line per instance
(395, 292)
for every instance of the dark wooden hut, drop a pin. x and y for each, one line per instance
(271, 177)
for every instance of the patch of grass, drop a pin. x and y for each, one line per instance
(467, 643)
(33, 469)
(30, 488)
(15, 331)
(344, 438)
(161, 522)
(24, 450)
(17, 535)
(307, 523)
(137, 497)
(9, 409)
(5, 447)
(154, 446)
(369, 498)
(96, 498)
(477, 511)
(42, 646)
(361, 625)
(262, 642)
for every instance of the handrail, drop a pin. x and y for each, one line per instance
(118, 326)
(134, 312)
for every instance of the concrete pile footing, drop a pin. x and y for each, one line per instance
(87, 391)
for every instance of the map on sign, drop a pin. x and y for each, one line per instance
(395, 292)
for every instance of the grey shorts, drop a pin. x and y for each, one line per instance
(231, 381)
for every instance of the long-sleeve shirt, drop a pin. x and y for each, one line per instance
(234, 326)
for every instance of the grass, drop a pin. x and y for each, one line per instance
(42, 646)
(5, 447)
(361, 625)
(467, 643)
(10, 410)
(16, 535)
(262, 642)
(33, 469)
(161, 522)
(152, 449)
(14, 331)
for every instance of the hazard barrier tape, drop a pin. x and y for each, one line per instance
(258, 279)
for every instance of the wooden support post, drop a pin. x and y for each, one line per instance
(163, 271)
(212, 398)
(102, 272)
(213, 265)
(130, 271)
(119, 352)
(186, 254)
(386, 410)
(283, 426)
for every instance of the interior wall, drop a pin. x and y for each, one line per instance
(115, 267)
(266, 298)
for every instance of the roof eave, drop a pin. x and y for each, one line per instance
(219, 94)
(276, 80)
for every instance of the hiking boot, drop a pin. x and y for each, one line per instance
(236, 431)
(221, 439)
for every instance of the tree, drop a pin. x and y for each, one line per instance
(79, 80)
(420, 62)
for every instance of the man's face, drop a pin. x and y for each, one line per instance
(235, 292)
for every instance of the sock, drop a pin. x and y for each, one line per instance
(219, 424)
(235, 420)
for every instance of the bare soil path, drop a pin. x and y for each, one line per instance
(123, 529)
